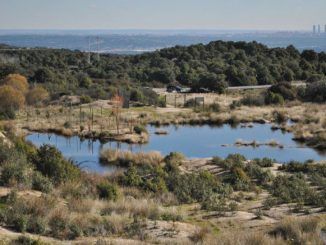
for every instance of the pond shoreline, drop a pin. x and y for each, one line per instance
(144, 137)
(194, 141)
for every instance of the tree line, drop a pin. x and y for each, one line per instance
(213, 66)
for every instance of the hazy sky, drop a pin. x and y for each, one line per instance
(162, 14)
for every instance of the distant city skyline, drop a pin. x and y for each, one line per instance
(162, 14)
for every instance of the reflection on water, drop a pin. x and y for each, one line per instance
(192, 141)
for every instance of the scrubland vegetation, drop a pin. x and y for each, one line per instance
(154, 198)
(50, 196)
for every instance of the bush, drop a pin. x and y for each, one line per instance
(7, 114)
(58, 223)
(37, 225)
(273, 98)
(20, 223)
(215, 107)
(41, 183)
(17, 172)
(264, 163)
(216, 203)
(10, 99)
(280, 116)
(50, 162)
(67, 125)
(37, 96)
(25, 240)
(285, 89)
(290, 189)
(253, 100)
(316, 92)
(136, 95)
(174, 158)
(85, 99)
(107, 191)
(192, 187)
(139, 129)
(17, 82)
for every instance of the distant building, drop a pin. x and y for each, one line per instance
(314, 29)
(319, 29)
(325, 28)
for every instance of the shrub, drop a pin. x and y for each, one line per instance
(10, 99)
(288, 231)
(264, 163)
(174, 158)
(25, 240)
(285, 89)
(20, 223)
(280, 116)
(17, 82)
(136, 95)
(316, 92)
(218, 161)
(270, 202)
(50, 162)
(190, 187)
(67, 124)
(58, 223)
(41, 183)
(139, 129)
(292, 189)
(161, 102)
(235, 104)
(17, 172)
(7, 114)
(253, 100)
(85, 99)
(215, 202)
(37, 96)
(107, 191)
(37, 225)
(274, 98)
(199, 236)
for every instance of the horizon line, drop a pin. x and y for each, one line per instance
(152, 29)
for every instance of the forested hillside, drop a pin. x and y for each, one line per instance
(209, 66)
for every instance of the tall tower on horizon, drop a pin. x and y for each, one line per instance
(319, 29)
(314, 29)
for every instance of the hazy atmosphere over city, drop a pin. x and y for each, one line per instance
(163, 122)
(159, 14)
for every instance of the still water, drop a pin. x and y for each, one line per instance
(192, 141)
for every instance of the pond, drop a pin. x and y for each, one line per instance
(192, 141)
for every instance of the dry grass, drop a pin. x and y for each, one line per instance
(299, 230)
(145, 208)
(133, 207)
(247, 238)
(125, 158)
